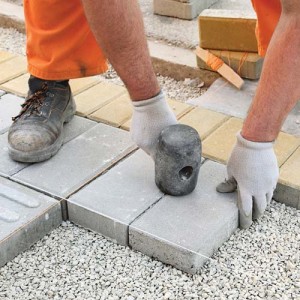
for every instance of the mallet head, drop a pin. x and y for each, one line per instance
(177, 160)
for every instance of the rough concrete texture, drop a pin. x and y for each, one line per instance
(25, 217)
(110, 203)
(177, 160)
(287, 194)
(78, 161)
(225, 98)
(185, 231)
(232, 30)
(187, 10)
(247, 65)
(8, 166)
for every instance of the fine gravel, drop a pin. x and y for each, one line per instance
(74, 263)
(12, 41)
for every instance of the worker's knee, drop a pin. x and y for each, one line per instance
(291, 7)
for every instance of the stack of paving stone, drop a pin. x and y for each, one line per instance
(183, 9)
(230, 35)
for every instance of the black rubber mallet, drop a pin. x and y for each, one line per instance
(178, 160)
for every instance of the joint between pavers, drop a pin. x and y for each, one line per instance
(114, 162)
(148, 208)
(171, 243)
(35, 188)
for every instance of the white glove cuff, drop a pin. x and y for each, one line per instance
(148, 102)
(252, 145)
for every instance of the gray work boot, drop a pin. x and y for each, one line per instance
(36, 133)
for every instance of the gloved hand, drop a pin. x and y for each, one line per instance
(253, 169)
(149, 118)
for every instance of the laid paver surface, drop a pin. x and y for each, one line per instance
(71, 130)
(116, 195)
(12, 68)
(185, 231)
(25, 217)
(79, 161)
(224, 98)
(113, 201)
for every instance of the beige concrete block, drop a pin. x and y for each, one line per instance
(204, 121)
(247, 65)
(126, 125)
(17, 86)
(5, 56)
(96, 97)
(285, 146)
(79, 85)
(12, 68)
(179, 108)
(218, 145)
(181, 9)
(289, 172)
(232, 30)
(114, 113)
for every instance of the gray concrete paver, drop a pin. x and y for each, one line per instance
(9, 167)
(9, 107)
(25, 217)
(225, 98)
(185, 231)
(76, 127)
(112, 201)
(79, 161)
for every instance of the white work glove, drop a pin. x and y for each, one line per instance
(253, 169)
(149, 118)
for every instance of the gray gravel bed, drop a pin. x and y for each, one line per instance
(12, 41)
(74, 263)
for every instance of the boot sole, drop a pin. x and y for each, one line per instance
(44, 154)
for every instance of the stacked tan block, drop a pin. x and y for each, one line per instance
(230, 35)
(183, 9)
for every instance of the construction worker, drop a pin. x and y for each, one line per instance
(71, 39)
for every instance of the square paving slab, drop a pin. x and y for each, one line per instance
(12, 68)
(25, 217)
(71, 130)
(110, 203)
(225, 98)
(79, 161)
(185, 231)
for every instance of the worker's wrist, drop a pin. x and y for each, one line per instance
(258, 137)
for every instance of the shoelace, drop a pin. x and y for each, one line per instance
(33, 103)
